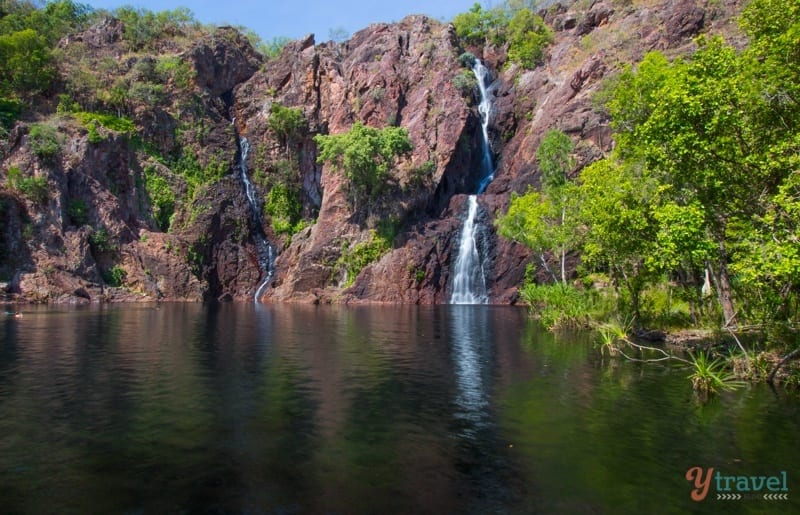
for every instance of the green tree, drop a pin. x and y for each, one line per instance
(478, 25)
(286, 122)
(546, 221)
(555, 162)
(365, 155)
(527, 38)
(617, 201)
(26, 65)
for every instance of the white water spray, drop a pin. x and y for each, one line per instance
(264, 250)
(469, 285)
(469, 282)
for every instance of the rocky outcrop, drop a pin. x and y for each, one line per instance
(223, 60)
(398, 74)
(97, 225)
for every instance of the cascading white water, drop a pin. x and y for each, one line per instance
(263, 248)
(469, 282)
(485, 110)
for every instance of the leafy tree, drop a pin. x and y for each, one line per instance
(26, 65)
(284, 207)
(143, 28)
(525, 32)
(527, 37)
(286, 122)
(546, 221)
(44, 142)
(55, 20)
(478, 25)
(161, 197)
(555, 158)
(617, 201)
(365, 155)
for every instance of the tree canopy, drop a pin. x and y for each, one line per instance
(514, 23)
(704, 176)
(364, 155)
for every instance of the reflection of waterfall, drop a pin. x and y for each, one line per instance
(469, 280)
(264, 250)
(471, 344)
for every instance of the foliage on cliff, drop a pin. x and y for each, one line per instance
(525, 32)
(364, 155)
(704, 179)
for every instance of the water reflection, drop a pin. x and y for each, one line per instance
(324, 409)
(472, 348)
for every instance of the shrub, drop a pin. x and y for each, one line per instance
(284, 207)
(115, 277)
(109, 121)
(78, 212)
(527, 37)
(467, 59)
(147, 92)
(44, 142)
(173, 67)
(13, 178)
(466, 83)
(423, 173)
(34, 189)
(160, 197)
(10, 109)
(559, 305)
(365, 155)
(356, 258)
(101, 242)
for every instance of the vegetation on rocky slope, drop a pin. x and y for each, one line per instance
(693, 219)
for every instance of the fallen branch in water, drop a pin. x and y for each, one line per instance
(792, 355)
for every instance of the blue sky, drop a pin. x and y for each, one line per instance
(296, 18)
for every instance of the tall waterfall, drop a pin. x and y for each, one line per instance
(266, 259)
(469, 282)
(485, 110)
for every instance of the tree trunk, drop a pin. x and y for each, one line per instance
(724, 293)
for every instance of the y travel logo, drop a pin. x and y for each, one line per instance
(734, 488)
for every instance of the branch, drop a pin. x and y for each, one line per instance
(792, 355)
(746, 356)
(666, 354)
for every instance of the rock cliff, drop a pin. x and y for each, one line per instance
(159, 211)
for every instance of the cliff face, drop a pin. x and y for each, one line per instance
(105, 218)
(398, 74)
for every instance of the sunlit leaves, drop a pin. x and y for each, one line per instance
(364, 155)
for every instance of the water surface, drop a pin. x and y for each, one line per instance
(239, 408)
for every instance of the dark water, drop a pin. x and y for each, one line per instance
(302, 409)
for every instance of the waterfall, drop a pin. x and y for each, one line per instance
(266, 260)
(485, 110)
(469, 282)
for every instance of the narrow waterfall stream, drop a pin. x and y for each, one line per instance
(469, 280)
(266, 260)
